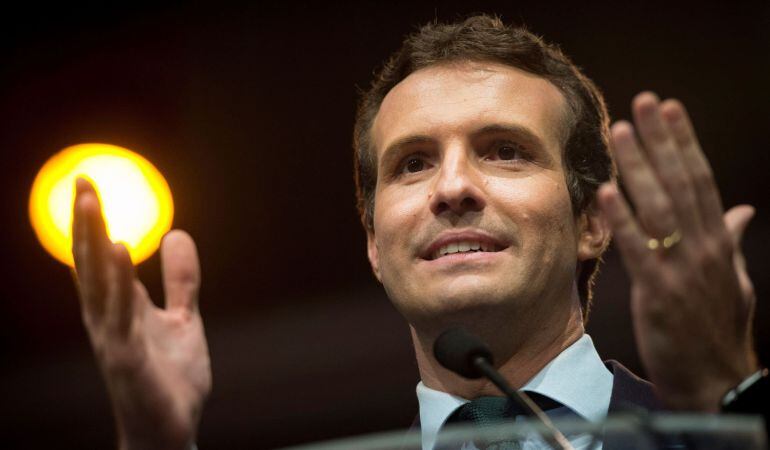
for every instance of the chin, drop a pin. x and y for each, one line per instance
(458, 303)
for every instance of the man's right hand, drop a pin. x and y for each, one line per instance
(155, 360)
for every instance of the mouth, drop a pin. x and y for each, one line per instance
(463, 247)
(462, 244)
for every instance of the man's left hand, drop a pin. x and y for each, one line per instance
(691, 298)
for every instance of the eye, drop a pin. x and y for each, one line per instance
(507, 151)
(414, 164)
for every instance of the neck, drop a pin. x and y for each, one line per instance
(520, 349)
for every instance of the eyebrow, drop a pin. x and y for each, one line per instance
(521, 131)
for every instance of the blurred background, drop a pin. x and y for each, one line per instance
(247, 109)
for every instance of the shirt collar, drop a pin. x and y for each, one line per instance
(577, 378)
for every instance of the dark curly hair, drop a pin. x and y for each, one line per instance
(485, 38)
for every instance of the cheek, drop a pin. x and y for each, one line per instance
(547, 245)
(395, 218)
(542, 209)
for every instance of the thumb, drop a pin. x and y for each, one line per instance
(737, 219)
(181, 270)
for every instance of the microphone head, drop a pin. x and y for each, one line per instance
(456, 349)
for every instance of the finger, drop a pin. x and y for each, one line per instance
(90, 249)
(628, 236)
(142, 303)
(181, 270)
(653, 206)
(736, 220)
(120, 307)
(695, 161)
(663, 153)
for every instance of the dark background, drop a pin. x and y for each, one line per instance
(248, 111)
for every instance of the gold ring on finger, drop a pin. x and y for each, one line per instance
(665, 243)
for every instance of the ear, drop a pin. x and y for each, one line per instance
(593, 233)
(373, 253)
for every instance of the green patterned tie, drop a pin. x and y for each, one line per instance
(486, 411)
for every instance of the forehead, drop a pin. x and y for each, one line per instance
(458, 98)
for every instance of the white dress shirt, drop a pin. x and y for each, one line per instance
(577, 378)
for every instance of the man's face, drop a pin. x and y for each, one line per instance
(471, 206)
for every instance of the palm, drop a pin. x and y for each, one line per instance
(173, 376)
(177, 346)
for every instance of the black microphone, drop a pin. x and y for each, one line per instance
(462, 353)
(466, 355)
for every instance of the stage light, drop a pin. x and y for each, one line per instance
(136, 200)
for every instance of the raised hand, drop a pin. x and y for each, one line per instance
(691, 297)
(155, 361)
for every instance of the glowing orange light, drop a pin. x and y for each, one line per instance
(136, 200)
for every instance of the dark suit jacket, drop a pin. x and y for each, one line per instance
(630, 394)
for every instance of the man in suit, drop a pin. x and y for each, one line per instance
(487, 194)
(480, 153)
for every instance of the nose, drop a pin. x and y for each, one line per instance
(458, 186)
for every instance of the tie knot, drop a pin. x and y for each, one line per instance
(485, 411)
(491, 410)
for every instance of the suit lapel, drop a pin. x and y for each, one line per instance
(630, 394)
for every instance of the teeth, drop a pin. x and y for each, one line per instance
(465, 246)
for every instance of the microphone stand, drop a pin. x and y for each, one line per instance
(556, 437)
